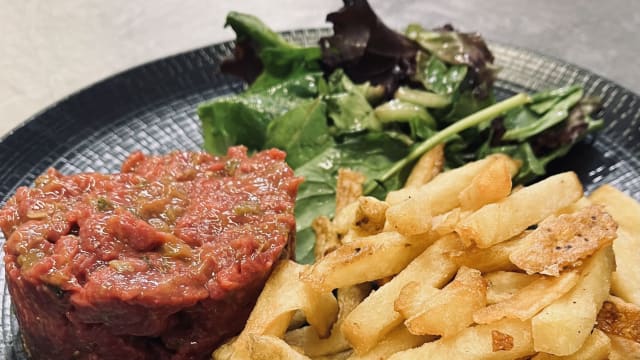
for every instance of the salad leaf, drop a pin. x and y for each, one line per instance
(348, 106)
(524, 123)
(243, 119)
(302, 132)
(367, 49)
(458, 48)
(548, 128)
(240, 120)
(437, 77)
(262, 57)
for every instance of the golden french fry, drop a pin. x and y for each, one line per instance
(307, 338)
(398, 339)
(562, 327)
(366, 259)
(339, 356)
(344, 219)
(494, 258)
(282, 295)
(491, 185)
(504, 340)
(561, 242)
(265, 347)
(497, 222)
(410, 217)
(413, 297)
(326, 237)
(618, 317)
(502, 285)
(375, 317)
(225, 351)
(451, 309)
(441, 193)
(370, 215)
(624, 209)
(348, 187)
(625, 281)
(623, 348)
(596, 347)
(444, 224)
(428, 166)
(529, 300)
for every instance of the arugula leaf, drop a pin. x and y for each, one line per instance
(536, 148)
(523, 123)
(302, 132)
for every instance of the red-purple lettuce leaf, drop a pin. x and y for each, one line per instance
(366, 48)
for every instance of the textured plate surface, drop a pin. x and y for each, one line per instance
(152, 108)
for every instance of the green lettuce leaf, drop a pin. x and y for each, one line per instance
(302, 132)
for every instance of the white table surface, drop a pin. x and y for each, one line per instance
(52, 48)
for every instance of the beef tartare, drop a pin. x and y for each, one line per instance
(161, 261)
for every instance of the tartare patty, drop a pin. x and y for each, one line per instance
(161, 261)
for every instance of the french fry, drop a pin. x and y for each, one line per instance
(444, 224)
(623, 348)
(494, 258)
(428, 166)
(413, 297)
(562, 327)
(226, 350)
(625, 281)
(265, 347)
(441, 193)
(501, 285)
(375, 317)
(624, 209)
(339, 356)
(282, 295)
(621, 318)
(410, 217)
(326, 237)
(451, 309)
(307, 338)
(504, 340)
(596, 347)
(366, 259)
(348, 187)
(528, 301)
(398, 339)
(370, 215)
(561, 242)
(489, 186)
(498, 222)
(344, 219)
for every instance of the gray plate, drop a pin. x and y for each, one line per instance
(152, 108)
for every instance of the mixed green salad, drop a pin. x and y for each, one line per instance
(374, 100)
